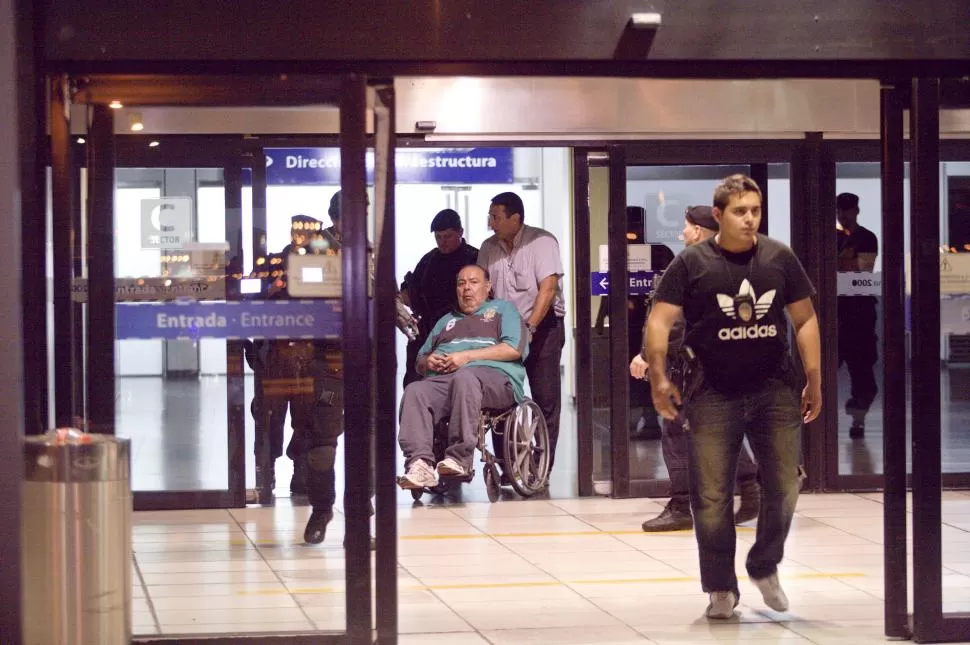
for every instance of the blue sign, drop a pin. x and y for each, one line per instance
(641, 283)
(233, 320)
(321, 166)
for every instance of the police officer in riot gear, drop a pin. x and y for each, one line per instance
(307, 375)
(319, 441)
(281, 370)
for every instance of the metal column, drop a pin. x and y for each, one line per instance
(32, 97)
(894, 364)
(67, 391)
(924, 248)
(813, 194)
(100, 361)
(232, 175)
(930, 624)
(619, 327)
(584, 321)
(15, 167)
(357, 356)
(386, 448)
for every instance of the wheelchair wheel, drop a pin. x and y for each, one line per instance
(526, 449)
(493, 483)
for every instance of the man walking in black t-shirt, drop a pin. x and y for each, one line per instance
(733, 291)
(699, 226)
(858, 248)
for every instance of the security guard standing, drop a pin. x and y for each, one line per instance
(319, 441)
(319, 444)
(280, 369)
(308, 376)
(429, 290)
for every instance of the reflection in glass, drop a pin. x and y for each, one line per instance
(857, 223)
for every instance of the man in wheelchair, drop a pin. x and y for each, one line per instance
(472, 360)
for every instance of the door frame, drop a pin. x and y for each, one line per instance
(754, 154)
(349, 92)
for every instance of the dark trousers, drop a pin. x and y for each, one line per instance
(673, 443)
(771, 420)
(858, 349)
(545, 382)
(296, 375)
(283, 380)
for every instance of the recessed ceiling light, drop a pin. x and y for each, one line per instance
(115, 105)
(134, 122)
(153, 144)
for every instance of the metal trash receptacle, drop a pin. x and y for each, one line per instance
(76, 539)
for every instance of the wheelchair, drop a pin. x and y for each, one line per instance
(521, 439)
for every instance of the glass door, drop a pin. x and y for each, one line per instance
(178, 289)
(657, 197)
(636, 210)
(173, 389)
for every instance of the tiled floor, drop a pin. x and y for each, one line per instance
(562, 572)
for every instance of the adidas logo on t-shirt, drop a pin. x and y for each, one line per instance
(745, 306)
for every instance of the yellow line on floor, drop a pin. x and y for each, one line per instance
(483, 536)
(542, 583)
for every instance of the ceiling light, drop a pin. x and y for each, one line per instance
(134, 122)
(153, 144)
(115, 105)
(80, 139)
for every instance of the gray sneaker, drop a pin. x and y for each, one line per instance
(774, 596)
(420, 475)
(448, 467)
(722, 605)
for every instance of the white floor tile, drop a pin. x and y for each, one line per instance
(216, 589)
(302, 625)
(256, 602)
(453, 638)
(535, 572)
(522, 508)
(519, 615)
(169, 619)
(708, 632)
(566, 636)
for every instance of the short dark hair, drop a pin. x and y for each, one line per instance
(847, 201)
(445, 220)
(734, 185)
(511, 202)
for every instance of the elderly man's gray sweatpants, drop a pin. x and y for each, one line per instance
(458, 397)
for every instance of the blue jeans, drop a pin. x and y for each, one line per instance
(770, 417)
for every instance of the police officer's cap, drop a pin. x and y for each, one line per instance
(702, 216)
(446, 219)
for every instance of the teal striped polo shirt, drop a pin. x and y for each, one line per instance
(496, 321)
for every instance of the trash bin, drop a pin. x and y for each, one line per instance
(76, 539)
